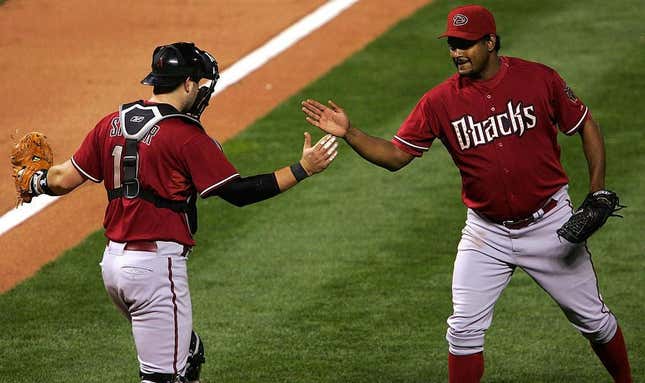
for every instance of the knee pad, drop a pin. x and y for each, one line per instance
(196, 358)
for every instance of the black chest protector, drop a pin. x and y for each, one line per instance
(136, 121)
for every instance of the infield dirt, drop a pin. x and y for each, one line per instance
(67, 64)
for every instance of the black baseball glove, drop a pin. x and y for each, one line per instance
(590, 216)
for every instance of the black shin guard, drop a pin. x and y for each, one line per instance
(195, 358)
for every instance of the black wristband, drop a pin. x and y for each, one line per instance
(298, 171)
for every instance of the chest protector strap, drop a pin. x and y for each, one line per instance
(137, 120)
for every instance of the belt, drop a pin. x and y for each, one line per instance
(524, 222)
(150, 246)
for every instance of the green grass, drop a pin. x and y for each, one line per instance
(347, 277)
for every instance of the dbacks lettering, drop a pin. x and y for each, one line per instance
(515, 120)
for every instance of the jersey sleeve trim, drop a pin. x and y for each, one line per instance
(215, 186)
(84, 173)
(579, 123)
(425, 149)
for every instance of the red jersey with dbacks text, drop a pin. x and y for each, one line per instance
(176, 159)
(501, 134)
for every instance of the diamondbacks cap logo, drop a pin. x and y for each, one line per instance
(459, 19)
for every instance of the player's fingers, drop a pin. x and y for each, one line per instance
(323, 141)
(329, 144)
(308, 105)
(311, 113)
(315, 104)
(332, 150)
(329, 140)
(313, 122)
(331, 158)
(307, 143)
(335, 107)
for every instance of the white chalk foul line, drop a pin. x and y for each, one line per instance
(14, 217)
(228, 77)
(281, 42)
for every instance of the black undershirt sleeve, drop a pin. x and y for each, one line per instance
(248, 190)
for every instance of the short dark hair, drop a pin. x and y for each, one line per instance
(163, 89)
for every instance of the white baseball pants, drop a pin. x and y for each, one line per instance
(486, 259)
(151, 290)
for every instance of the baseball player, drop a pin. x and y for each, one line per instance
(499, 118)
(154, 158)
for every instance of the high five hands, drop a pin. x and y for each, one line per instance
(316, 158)
(332, 119)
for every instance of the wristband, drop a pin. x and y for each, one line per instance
(38, 184)
(298, 171)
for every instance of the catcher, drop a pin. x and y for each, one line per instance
(154, 158)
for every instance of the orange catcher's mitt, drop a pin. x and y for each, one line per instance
(32, 154)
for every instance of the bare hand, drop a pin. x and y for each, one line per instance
(316, 159)
(331, 119)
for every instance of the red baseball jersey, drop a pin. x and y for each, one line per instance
(176, 159)
(501, 134)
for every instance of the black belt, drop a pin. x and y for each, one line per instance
(524, 222)
(150, 246)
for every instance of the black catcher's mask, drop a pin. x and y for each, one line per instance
(174, 63)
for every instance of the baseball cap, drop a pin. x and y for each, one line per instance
(469, 22)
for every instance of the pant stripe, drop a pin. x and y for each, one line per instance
(174, 305)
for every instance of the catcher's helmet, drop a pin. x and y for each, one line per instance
(172, 64)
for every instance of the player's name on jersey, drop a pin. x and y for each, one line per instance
(515, 120)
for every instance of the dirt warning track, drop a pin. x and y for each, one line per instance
(67, 64)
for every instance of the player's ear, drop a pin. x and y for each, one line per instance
(491, 40)
(188, 85)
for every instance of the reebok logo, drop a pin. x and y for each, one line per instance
(136, 119)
